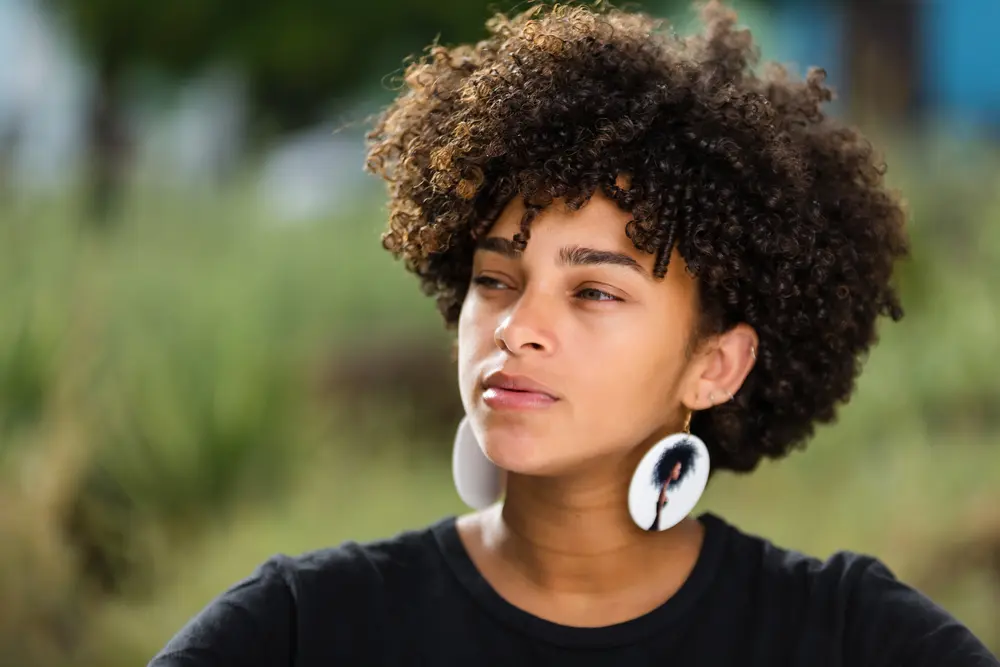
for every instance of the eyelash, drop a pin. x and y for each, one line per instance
(486, 281)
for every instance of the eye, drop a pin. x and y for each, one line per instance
(594, 294)
(488, 282)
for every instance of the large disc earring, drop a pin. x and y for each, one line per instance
(669, 481)
(479, 482)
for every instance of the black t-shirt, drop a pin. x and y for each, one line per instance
(417, 599)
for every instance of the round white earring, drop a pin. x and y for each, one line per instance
(479, 482)
(669, 481)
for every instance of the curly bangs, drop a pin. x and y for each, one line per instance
(779, 211)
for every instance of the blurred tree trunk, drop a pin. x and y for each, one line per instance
(10, 135)
(883, 56)
(108, 146)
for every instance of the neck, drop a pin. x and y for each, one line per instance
(575, 536)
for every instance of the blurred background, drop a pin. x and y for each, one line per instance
(206, 358)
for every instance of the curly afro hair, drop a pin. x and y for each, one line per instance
(684, 453)
(779, 211)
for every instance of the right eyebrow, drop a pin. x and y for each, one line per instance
(500, 245)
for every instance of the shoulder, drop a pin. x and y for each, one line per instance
(331, 598)
(891, 622)
(880, 620)
(789, 568)
(357, 566)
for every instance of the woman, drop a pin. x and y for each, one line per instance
(629, 231)
(671, 469)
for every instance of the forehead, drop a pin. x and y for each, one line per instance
(598, 224)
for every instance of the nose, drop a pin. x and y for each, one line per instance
(525, 329)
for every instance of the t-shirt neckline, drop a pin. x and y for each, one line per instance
(655, 621)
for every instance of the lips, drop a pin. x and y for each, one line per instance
(516, 392)
(521, 383)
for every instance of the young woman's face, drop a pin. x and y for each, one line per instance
(578, 314)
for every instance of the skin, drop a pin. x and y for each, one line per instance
(615, 346)
(674, 474)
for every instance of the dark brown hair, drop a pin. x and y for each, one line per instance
(778, 210)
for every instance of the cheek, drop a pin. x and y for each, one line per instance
(475, 340)
(476, 326)
(630, 376)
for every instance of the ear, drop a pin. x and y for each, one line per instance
(719, 367)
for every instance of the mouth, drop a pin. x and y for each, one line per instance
(516, 392)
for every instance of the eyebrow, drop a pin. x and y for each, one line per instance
(568, 255)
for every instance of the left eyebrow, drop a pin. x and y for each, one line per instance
(578, 256)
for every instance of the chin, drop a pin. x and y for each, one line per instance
(514, 446)
(520, 451)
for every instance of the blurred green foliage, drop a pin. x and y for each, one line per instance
(166, 404)
(297, 54)
(303, 58)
